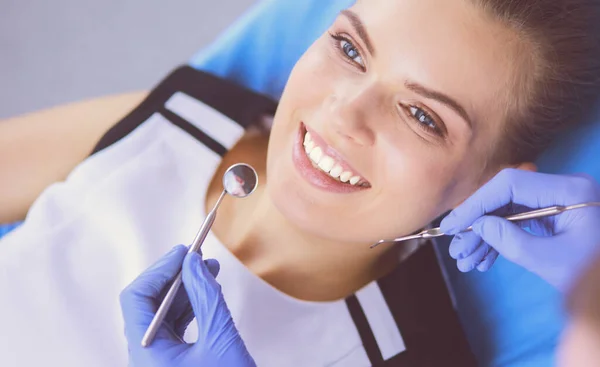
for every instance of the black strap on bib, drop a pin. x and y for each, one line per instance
(241, 105)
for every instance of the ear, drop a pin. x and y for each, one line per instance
(527, 166)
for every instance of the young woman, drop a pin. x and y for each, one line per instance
(393, 117)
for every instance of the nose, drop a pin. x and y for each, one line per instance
(353, 113)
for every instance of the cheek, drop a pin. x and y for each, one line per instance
(424, 177)
(310, 84)
(445, 177)
(312, 79)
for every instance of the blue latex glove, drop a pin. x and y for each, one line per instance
(219, 343)
(555, 248)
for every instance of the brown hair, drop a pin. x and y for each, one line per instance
(584, 300)
(560, 81)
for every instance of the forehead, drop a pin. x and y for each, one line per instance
(447, 45)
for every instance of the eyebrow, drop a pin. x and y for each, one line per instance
(360, 29)
(440, 97)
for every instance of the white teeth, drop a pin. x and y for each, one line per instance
(345, 177)
(326, 163)
(308, 147)
(336, 171)
(316, 154)
(307, 138)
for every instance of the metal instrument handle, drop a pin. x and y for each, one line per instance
(533, 214)
(165, 305)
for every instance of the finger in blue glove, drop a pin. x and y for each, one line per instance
(555, 248)
(219, 343)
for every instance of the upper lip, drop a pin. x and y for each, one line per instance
(333, 153)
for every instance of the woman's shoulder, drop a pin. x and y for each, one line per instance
(198, 103)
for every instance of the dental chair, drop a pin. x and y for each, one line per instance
(511, 317)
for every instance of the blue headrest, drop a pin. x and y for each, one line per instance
(260, 49)
(511, 317)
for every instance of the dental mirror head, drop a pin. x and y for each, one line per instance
(240, 180)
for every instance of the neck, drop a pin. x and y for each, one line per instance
(299, 263)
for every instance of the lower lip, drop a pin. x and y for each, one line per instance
(315, 176)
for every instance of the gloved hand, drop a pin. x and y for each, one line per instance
(219, 343)
(555, 248)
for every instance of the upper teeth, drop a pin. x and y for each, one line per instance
(326, 163)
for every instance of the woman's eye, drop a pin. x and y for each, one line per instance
(349, 50)
(425, 120)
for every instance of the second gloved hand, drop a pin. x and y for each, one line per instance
(218, 344)
(555, 248)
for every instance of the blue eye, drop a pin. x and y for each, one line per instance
(425, 120)
(348, 49)
(351, 52)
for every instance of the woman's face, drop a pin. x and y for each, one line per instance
(403, 100)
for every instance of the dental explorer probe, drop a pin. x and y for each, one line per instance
(538, 213)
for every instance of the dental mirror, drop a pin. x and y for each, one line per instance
(239, 181)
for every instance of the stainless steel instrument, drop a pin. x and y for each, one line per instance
(538, 213)
(240, 180)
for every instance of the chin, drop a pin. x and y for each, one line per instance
(296, 208)
(304, 214)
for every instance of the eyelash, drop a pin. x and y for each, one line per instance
(418, 114)
(338, 38)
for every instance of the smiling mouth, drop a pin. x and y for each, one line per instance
(328, 161)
